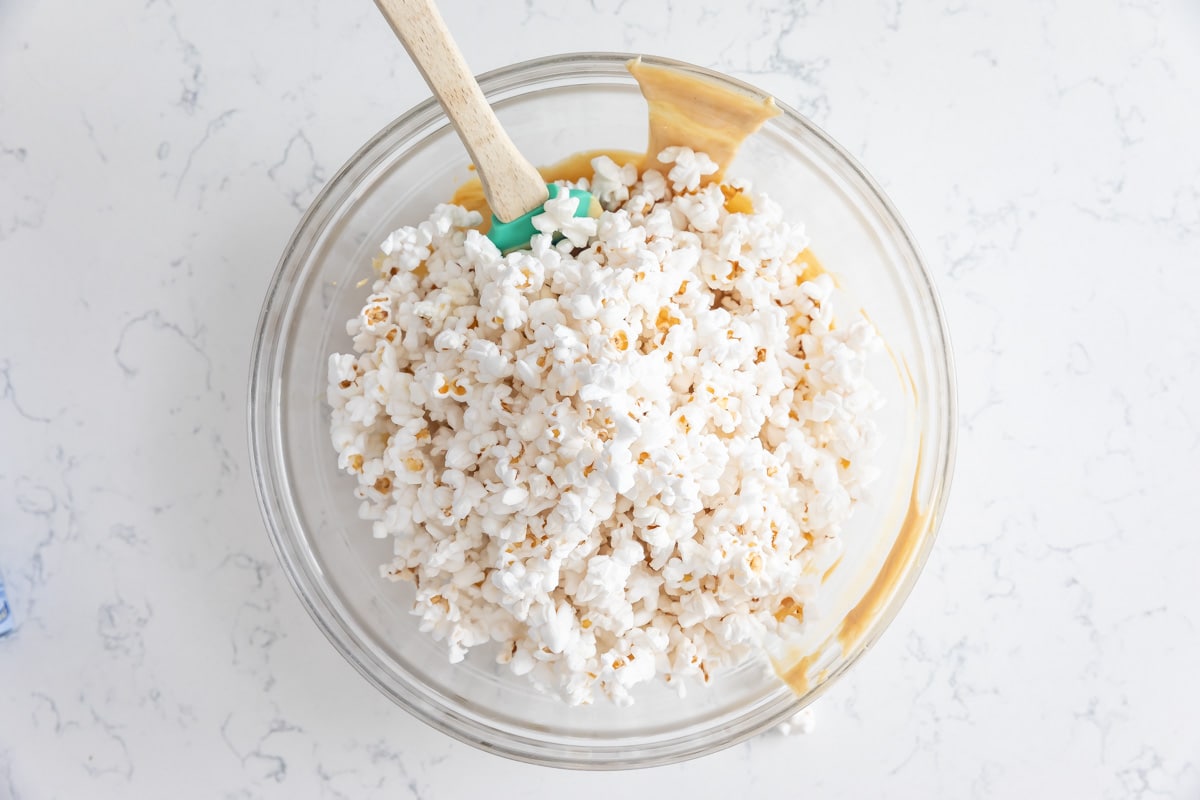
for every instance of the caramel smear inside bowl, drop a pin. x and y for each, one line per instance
(692, 112)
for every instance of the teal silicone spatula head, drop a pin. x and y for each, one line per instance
(513, 187)
(515, 235)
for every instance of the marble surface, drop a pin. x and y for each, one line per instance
(155, 156)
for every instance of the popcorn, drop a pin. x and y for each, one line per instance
(611, 183)
(559, 217)
(623, 455)
(801, 723)
(689, 168)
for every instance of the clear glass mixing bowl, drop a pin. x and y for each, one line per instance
(552, 108)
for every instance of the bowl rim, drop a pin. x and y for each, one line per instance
(271, 484)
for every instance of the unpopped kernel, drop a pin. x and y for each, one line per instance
(624, 454)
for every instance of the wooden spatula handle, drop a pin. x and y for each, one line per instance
(511, 184)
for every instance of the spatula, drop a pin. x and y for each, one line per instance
(513, 187)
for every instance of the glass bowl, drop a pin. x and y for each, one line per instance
(554, 107)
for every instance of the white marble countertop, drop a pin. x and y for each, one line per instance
(154, 158)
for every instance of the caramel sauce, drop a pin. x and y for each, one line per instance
(705, 116)
(796, 676)
(735, 201)
(895, 567)
(789, 608)
(856, 623)
(812, 267)
(829, 572)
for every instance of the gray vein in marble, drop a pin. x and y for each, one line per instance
(300, 159)
(123, 765)
(193, 81)
(893, 11)
(59, 517)
(120, 626)
(6, 776)
(15, 153)
(156, 322)
(91, 134)
(272, 766)
(9, 392)
(211, 129)
(382, 754)
(30, 218)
